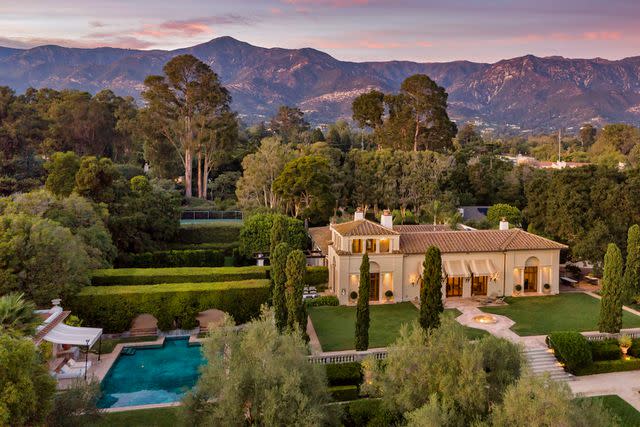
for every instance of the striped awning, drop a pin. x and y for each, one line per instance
(482, 267)
(455, 268)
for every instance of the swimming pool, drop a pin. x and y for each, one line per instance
(152, 374)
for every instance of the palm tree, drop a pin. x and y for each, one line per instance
(17, 314)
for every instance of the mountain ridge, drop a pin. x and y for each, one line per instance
(522, 93)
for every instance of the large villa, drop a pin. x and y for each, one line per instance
(479, 263)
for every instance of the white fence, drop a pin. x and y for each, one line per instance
(604, 336)
(347, 356)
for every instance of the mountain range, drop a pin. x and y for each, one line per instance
(527, 93)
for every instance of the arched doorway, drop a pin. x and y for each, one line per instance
(531, 275)
(374, 288)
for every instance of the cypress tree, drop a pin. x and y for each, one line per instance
(279, 279)
(279, 232)
(632, 266)
(611, 304)
(362, 312)
(296, 267)
(431, 292)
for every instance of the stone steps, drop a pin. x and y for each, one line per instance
(543, 362)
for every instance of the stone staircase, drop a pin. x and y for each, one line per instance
(542, 362)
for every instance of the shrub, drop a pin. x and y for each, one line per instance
(634, 350)
(518, 288)
(606, 366)
(325, 300)
(255, 235)
(546, 286)
(175, 258)
(342, 393)
(388, 293)
(153, 276)
(211, 232)
(605, 350)
(344, 374)
(353, 295)
(572, 349)
(175, 305)
(316, 276)
(361, 412)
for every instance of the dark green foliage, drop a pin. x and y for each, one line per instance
(279, 232)
(316, 276)
(572, 349)
(152, 276)
(255, 235)
(362, 310)
(95, 177)
(362, 412)
(610, 319)
(182, 258)
(174, 305)
(605, 350)
(634, 350)
(295, 270)
(279, 279)
(631, 278)
(76, 405)
(323, 301)
(212, 232)
(431, 305)
(502, 362)
(61, 169)
(344, 393)
(606, 366)
(344, 373)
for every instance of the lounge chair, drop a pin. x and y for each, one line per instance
(67, 372)
(78, 364)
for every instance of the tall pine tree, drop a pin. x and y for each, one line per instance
(431, 305)
(362, 312)
(296, 267)
(611, 304)
(279, 279)
(632, 266)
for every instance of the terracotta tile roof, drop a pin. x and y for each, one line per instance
(514, 239)
(362, 227)
(321, 236)
(421, 228)
(49, 326)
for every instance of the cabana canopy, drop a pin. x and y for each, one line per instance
(72, 335)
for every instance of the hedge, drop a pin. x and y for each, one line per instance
(369, 412)
(634, 350)
(572, 349)
(606, 366)
(175, 305)
(322, 301)
(152, 276)
(344, 374)
(211, 232)
(343, 393)
(174, 258)
(605, 350)
(256, 234)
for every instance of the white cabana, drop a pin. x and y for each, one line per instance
(73, 335)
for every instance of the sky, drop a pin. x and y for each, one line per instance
(354, 30)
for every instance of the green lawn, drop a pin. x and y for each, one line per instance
(564, 312)
(157, 417)
(628, 415)
(335, 326)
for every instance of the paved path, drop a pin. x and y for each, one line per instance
(624, 384)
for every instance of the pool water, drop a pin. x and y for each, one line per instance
(152, 375)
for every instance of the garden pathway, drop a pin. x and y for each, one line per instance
(624, 384)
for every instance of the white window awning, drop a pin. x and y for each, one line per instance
(455, 268)
(73, 335)
(482, 267)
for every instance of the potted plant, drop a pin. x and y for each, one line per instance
(353, 295)
(546, 288)
(625, 342)
(388, 294)
(517, 289)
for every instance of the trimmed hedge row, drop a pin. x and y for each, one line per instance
(322, 301)
(344, 374)
(572, 349)
(343, 393)
(606, 366)
(173, 258)
(152, 276)
(211, 232)
(174, 305)
(605, 350)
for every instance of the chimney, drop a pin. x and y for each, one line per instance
(386, 220)
(504, 224)
(359, 215)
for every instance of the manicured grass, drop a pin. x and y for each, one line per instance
(157, 417)
(628, 415)
(564, 312)
(108, 344)
(335, 326)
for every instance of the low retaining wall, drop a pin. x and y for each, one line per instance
(347, 356)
